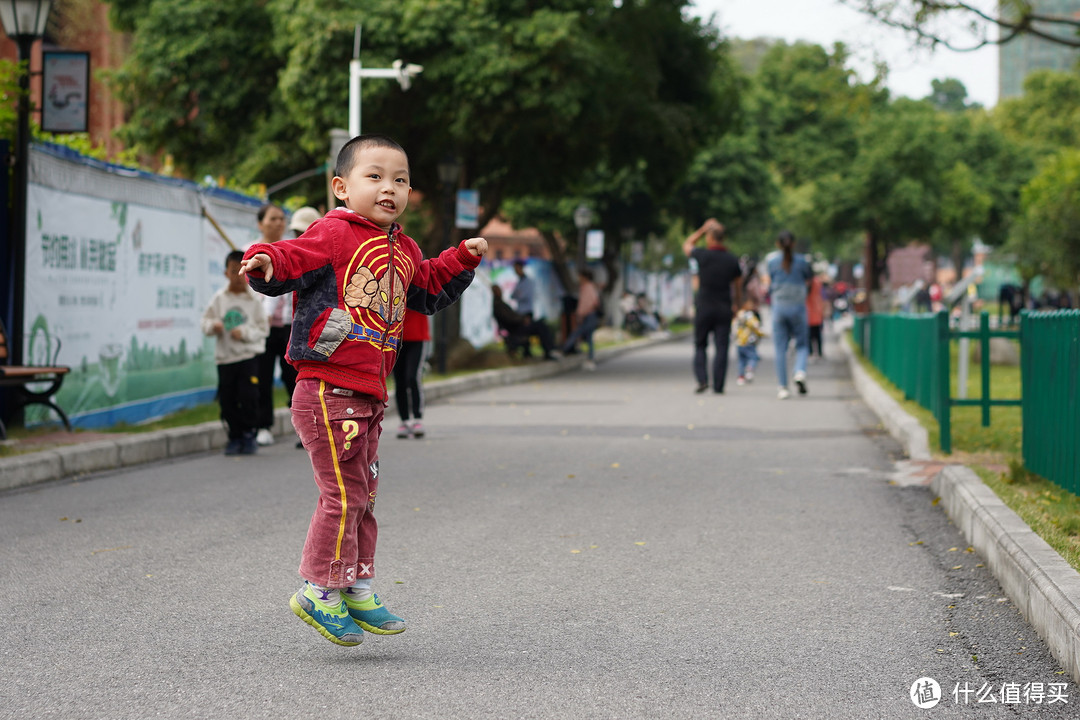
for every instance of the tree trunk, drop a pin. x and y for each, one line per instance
(871, 280)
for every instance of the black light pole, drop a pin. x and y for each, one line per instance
(449, 171)
(24, 22)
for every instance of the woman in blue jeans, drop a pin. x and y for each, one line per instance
(789, 280)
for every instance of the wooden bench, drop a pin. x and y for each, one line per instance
(21, 377)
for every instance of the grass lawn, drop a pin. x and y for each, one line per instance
(994, 453)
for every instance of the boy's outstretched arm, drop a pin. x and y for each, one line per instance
(257, 261)
(439, 281)
(477, 246)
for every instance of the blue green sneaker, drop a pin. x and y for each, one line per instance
(332, 622)
(372, 616)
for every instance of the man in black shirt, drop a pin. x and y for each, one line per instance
(717, 276)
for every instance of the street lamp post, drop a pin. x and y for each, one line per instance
(402, 72)
(449, 172)
(24, 22)
(582, 220)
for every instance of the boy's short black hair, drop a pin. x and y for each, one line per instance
(236, 256)
(346, 159)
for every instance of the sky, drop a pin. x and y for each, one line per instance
(827, 21)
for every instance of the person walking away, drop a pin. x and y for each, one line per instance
(271, 223)
(236, 319)
(747, 333)
(717, 277)
(789, 281)
(354, 272)
(586, 317)
(815, 315)
(409, 372)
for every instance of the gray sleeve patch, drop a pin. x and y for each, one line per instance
(338, 325)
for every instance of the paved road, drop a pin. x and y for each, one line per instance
(595, 545)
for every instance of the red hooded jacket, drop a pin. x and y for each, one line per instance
(352, 281)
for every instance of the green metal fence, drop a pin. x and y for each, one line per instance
(912, 352)
(1050, 372)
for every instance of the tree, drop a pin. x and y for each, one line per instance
(199, 73)
(807, 104)
(936, 22)
(530, 97)
(1047, 116)
(1046, 239)
(731, 180)
(922, 174)
(948, 95)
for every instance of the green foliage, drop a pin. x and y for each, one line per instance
(807, 104)
(948, 95)
(1047, 233)
(1047, 116)
(9, 97)
(198, 71)
(731, 180)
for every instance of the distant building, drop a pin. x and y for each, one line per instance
(911, 263)
(507, 243)
(1026, 53)
(82, 26)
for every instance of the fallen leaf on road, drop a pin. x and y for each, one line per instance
(614, 465)
(639, 543)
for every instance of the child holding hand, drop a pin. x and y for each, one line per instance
(353, 273)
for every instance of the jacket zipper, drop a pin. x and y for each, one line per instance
(389, 320)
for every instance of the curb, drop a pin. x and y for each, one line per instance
(906, 429)
(1044, 587)
(1036, 578)
(79, 459)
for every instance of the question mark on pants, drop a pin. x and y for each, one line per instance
(352, 429)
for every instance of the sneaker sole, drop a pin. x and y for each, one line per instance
(303, 615)
(377, 630)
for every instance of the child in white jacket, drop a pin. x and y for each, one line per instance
(235, 316)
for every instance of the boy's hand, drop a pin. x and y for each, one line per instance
(477, 246)
(256, 261)
(237, 333)
(218, 327)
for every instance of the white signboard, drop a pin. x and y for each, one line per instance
(120, 286)
(594, 244)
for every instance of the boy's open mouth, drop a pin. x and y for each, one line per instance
(389, 205)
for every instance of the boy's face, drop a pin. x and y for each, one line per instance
(377, 187)
(237, 282)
